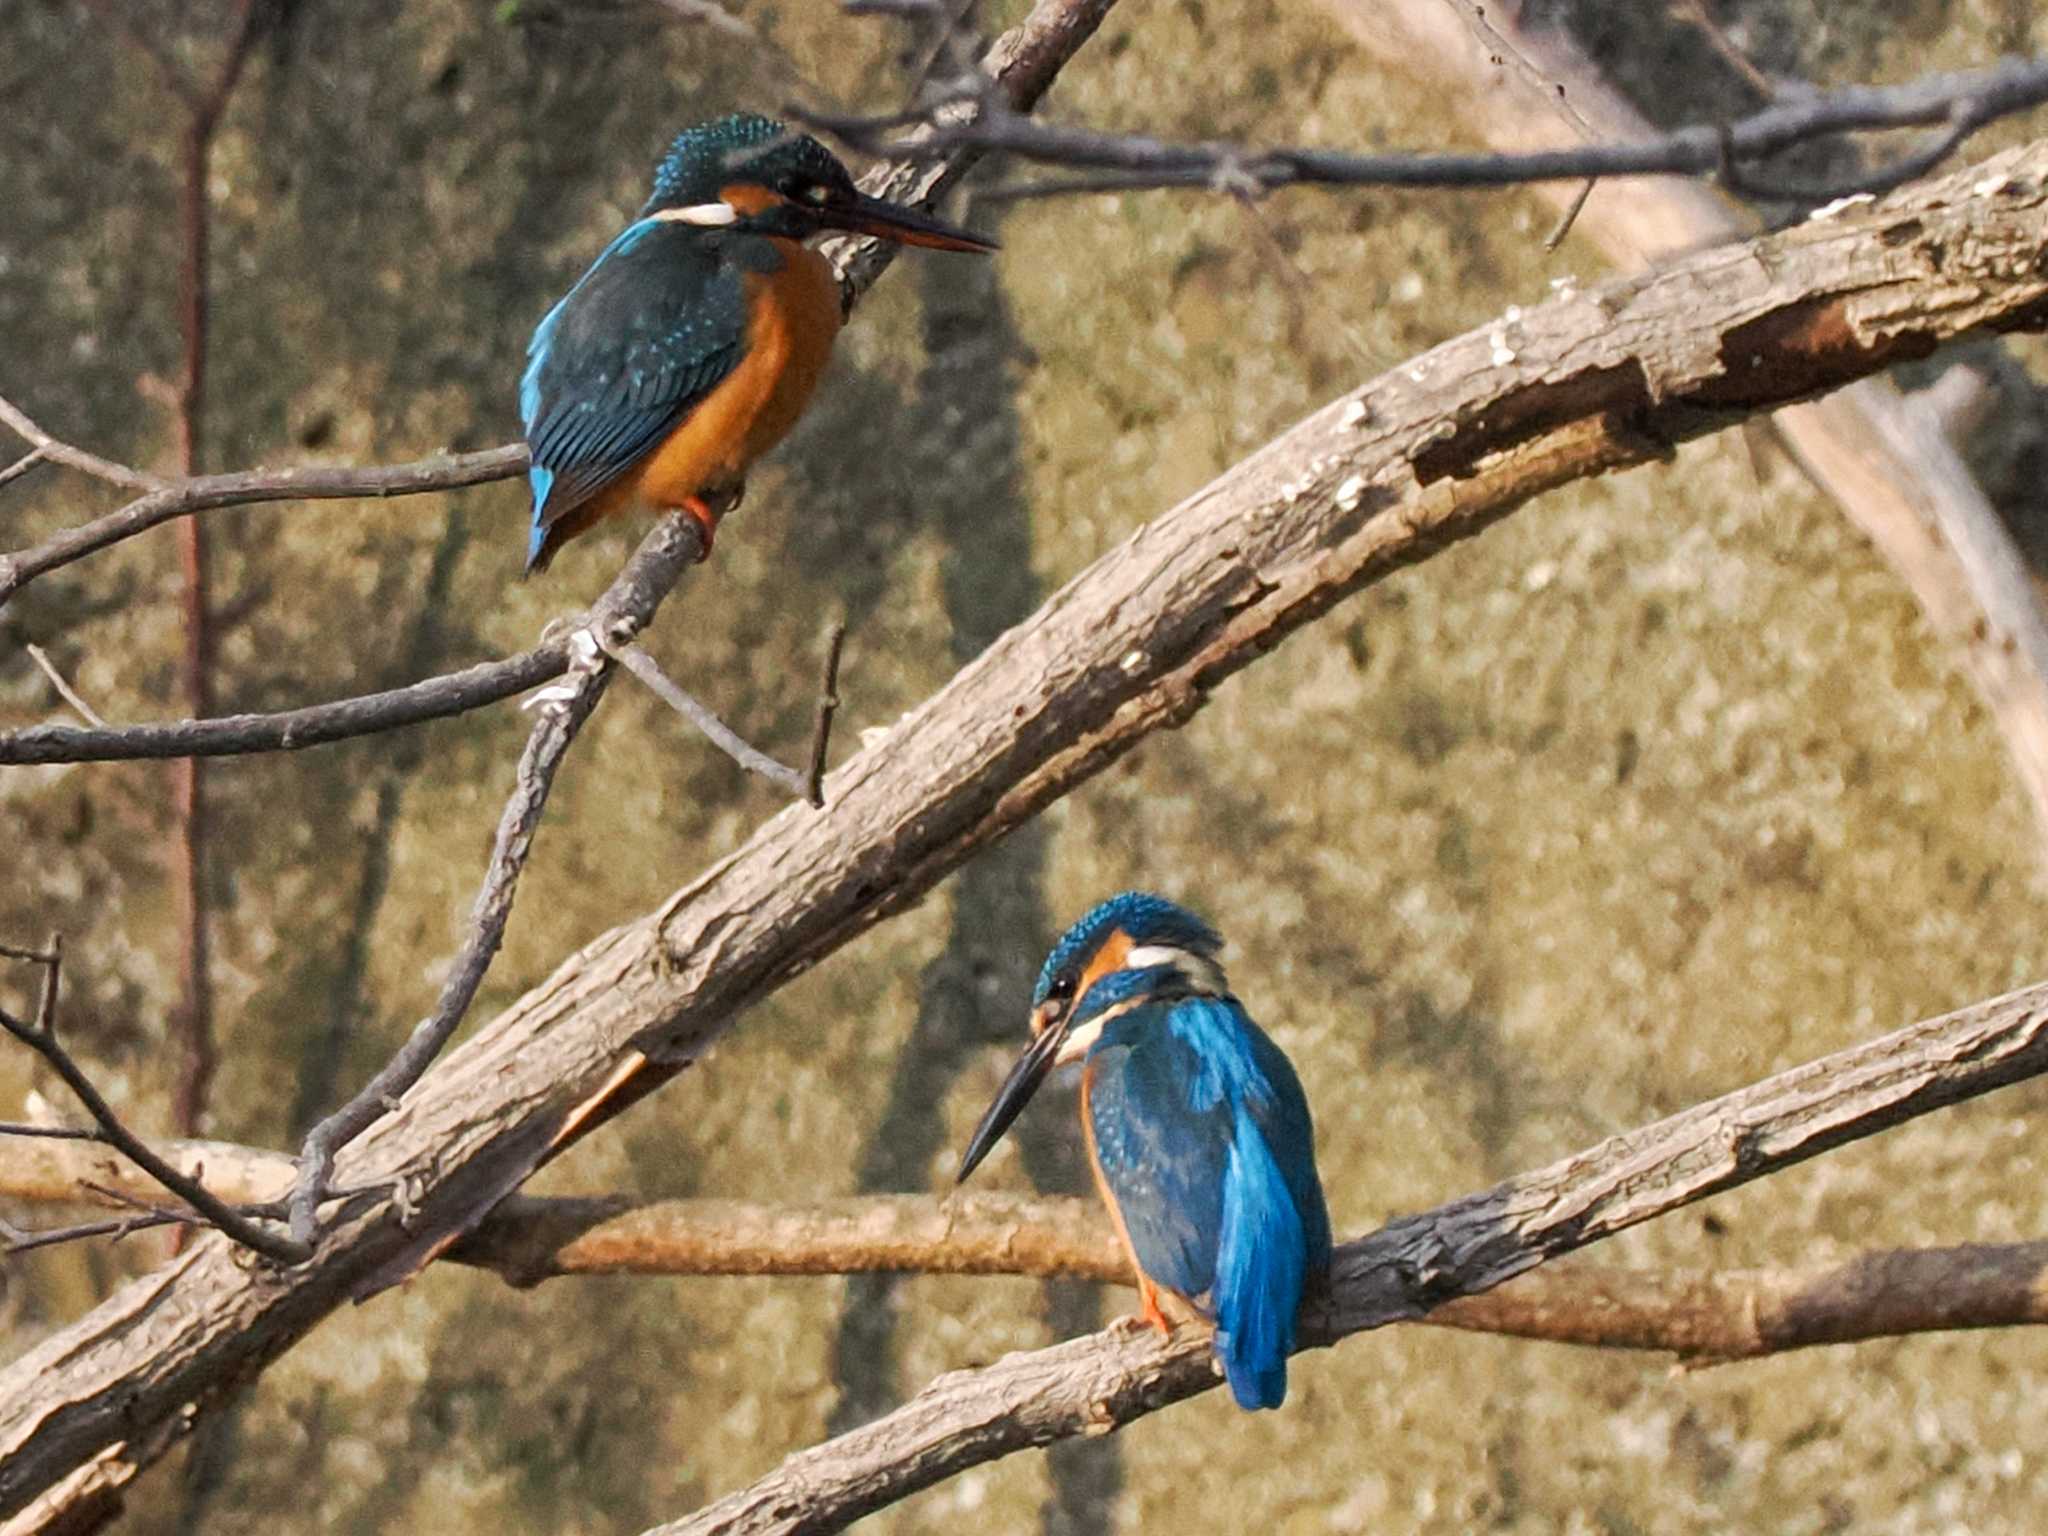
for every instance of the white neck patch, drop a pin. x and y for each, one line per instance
(1202, 973)
(704, 215)
(1075, 1046)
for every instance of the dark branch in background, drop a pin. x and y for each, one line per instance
(242, 488)
(1098, 1383)
(41, 1037)
(627, 607)
(1957, 105)
(192, 1022)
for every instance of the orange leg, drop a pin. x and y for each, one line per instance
(1148, 1302)
(706, 521)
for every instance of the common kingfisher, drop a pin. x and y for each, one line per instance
(695, 339)
(1196, 1126)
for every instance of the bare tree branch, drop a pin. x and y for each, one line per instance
(1407, 1268)
(1958, 105)
(55, 452)
(64, 689)
(1592, 380)
(637, 661)
(1704, 1317)
(1907, 489)
(292, 730)
(627, 607)
(203, 493)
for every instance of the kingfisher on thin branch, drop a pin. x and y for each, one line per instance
(1196, 1126)
(693, 343)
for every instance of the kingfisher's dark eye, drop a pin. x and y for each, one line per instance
(1062, 986)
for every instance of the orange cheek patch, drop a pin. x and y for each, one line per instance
(749, 199)
(1107, 962)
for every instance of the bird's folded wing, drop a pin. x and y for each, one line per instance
(651, 329)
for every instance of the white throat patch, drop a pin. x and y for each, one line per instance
(704, 215)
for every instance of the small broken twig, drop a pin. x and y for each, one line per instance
(636, 660)
(828, 706)
(64, 689)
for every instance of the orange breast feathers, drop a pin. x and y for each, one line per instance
(793, 319)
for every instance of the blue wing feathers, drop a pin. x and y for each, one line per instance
(651, 329)
(1261, 1264)
(1203, 1137)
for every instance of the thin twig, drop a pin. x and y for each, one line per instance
(24, 464)
(51, 1132)
(242, 488)
(57, 452)
(626, 608)
(828, 706)
(41, 1037)
(65, 691)
(1570, 216)
(1695, 13)
(434, 698)
(15, 1239)
(637, 661)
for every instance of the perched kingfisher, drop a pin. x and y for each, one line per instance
(695, 339)
(1196, 1126)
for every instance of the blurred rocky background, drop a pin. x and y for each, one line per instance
(1656, 789)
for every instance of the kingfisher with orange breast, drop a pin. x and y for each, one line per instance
(693, 343)
(1196, 1126)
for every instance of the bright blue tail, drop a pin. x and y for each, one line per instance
(1260, 1267)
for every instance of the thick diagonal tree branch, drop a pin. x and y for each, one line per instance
(1093, 1385)
(1593, 380)
(1896, 478)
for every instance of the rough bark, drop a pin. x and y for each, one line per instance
(1093, 1385)
(1894, 474)
(1595, 379)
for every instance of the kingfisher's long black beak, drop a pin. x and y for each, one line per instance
(1011, 1098)
(865, 215)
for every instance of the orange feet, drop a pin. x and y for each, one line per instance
(705, 519)
(1148, 1302)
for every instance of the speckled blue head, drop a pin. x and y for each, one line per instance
(1142, 917)
(743, 149)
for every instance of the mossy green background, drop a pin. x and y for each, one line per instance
(1657, 788)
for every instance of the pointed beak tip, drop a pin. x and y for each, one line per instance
(891, 221)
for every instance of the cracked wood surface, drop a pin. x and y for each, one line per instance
(1593, 380)
(1895, 474)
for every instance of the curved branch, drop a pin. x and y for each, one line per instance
(55, 452)
(241, 488)
(1096, 1384)
(1589, 381)
(289, 730)
(1955, 105)
(627, 607)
